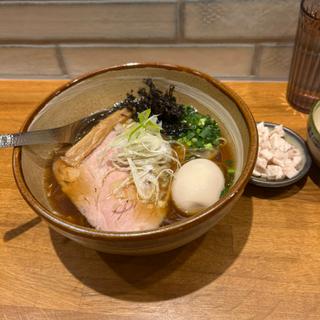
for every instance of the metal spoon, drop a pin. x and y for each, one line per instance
(70, 133)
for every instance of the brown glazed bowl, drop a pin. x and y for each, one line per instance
(313, 138)
(96, 91)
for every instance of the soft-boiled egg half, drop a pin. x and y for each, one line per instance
(197, 185)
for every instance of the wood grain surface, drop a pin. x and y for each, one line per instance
(260, 262)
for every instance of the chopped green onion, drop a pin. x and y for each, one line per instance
(201, 132)
(231, 170)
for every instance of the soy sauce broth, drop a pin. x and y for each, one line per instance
(224, 159)
(58, 200)
(62, 206)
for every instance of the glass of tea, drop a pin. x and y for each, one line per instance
(304, 78)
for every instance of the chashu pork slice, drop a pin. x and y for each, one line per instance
(87, 177)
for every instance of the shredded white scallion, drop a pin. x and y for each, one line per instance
(143, 152)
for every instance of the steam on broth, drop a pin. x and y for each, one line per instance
(119, 177)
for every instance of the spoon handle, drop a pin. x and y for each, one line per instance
(69, 133)
(9, 140)
(31, 137)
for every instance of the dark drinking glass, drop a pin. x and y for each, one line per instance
(304, 78)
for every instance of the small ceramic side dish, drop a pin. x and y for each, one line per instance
(313, 140)
(294, 139)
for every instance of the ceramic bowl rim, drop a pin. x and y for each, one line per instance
(286, 182)
(312, 124)
(154, 233)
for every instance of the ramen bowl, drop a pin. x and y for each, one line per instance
(104, 88)
(313, 139)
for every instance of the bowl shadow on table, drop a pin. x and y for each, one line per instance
(163, 276)
(275, 193)
(17, 231)
(314, 174)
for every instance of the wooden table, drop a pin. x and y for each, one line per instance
(261, 262)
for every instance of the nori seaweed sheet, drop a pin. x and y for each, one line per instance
(162, 104)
